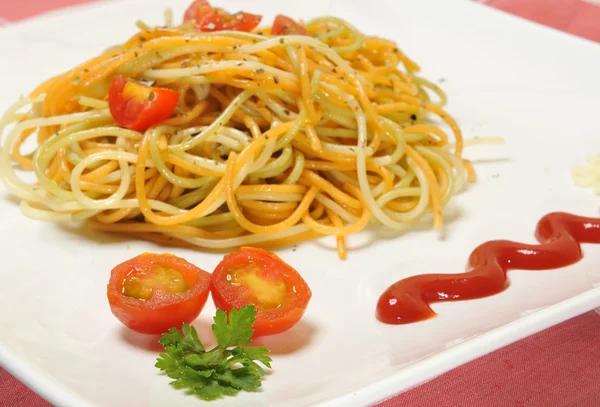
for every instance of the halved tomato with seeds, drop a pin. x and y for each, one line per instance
(152, 293)
(259, 277)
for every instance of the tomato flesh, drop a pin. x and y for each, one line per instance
(259, 277)
(215, 19)
(141, 284)
(284, 25)
(265, 292)
(152, 293)
(137, 106)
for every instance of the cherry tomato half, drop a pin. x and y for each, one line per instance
(284, 25)
(256, 276)
(215, 19)
(136, 106)
(152, 293)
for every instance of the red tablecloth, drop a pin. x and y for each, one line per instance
(557, 367)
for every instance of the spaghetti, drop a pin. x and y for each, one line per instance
(588, 175)
(274, 139)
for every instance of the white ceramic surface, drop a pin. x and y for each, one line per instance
(537, 88)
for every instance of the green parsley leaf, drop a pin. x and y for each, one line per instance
(213, 391)
(241, 378)
(171, 338)
(238, 330)
(166, 363)
(207, 359)
(257, 353)
(222, 371)
(190, 342)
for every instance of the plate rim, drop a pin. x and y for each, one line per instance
(38, 382)
(410, 376)
(485, 343)
(432, 366)
(475, 4)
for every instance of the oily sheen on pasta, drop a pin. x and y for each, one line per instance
(274, 140)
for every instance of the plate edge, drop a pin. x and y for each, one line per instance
(39, 383)
(484, 344)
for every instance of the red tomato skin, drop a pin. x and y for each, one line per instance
(284, 25)
(210, 19)
(140, 115)
(218, 20)
(164, 310)
(191, 14)
(268, 322)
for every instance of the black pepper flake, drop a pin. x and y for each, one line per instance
(281, 41)
(266, 136)
(286, 112)
(239, 64)
(334, 70)
(86, 70)
(188, 40)
(294, 249)
(276, 79)
(260, 70)
(260, 33)
(413, 117)
(143, 38)
(396, 49)
(135, 54)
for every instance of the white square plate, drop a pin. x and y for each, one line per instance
(537, 88)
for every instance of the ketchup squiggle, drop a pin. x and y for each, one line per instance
(559, 233)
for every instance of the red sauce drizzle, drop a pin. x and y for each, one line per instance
(559, 233)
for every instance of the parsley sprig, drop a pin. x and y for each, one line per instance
(224, 370)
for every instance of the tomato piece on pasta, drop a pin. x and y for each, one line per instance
(137, 106)
(215, 19)
(284, 25)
